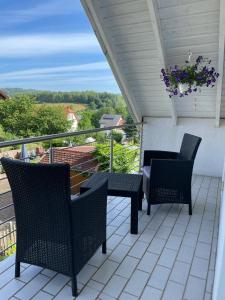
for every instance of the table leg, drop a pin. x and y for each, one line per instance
(134, 214)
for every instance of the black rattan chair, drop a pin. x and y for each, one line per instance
(167, 175)
(54, 231)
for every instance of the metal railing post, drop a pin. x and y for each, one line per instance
(51, 154)
(141, 146)
(111, 152)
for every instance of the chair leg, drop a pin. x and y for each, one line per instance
(104, 247)
(190, 209)
(149, 208)
(17, 269)
(74, 287)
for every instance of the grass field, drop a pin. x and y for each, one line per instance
(75, 107)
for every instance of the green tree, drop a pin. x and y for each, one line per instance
(85, 120)
(50, 120)
(16, 116)
(123, 158)
(117, 136)
(21, 117)
(131, 131)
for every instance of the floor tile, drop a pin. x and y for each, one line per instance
(148, 262)
(127, 267)
(151, 293)
(203, 250)
(157, 245)
(174, 242)
(119, 253)
(136, 283)
(115, 286)
(138, 249)
(159, 277)
(199, 267)
(126, 296)
(180, 272)
(173, 291)
(185, 254)
(195, 289)
(32, 288)
(167, 258)
(105, 272)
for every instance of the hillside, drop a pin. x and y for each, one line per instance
(89, 99)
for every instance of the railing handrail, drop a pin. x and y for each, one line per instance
(62, 135)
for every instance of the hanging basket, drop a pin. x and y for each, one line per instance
(183, 81)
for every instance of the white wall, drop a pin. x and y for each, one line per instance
(159, 133)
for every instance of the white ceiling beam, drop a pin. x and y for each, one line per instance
(110, 55)
(220, 61)
(153, 10)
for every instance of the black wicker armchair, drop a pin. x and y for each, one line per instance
(167, 175)
(54, 231)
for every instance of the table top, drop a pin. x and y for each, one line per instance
(116, 181)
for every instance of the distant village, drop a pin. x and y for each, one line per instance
(72, 154)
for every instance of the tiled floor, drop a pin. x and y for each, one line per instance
(172, 257)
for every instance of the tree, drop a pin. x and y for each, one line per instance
(50, 120)
(123, 158)
(117, 136)
(17, 116)
(85, 120)
(131, 131)
(21, 117)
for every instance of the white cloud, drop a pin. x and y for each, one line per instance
(53, 72)
(46, 9)
(45, 44)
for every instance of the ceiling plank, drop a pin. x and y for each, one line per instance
(220, 61)
(153, 10)
(110, 55)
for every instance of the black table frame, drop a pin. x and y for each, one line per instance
(123, 185)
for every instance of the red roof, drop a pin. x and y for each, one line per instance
(80, 158)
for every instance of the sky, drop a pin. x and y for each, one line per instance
(50, 45)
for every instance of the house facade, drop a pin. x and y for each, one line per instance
(72, 118)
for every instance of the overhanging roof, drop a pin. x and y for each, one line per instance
(139, 37)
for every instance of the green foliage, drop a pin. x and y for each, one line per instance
(11, 250)
(117, 136)
(20, 117)
(123, 159)
(131, 132)
(94, 99)
(85, 122)
(17, 116)
(50, 120)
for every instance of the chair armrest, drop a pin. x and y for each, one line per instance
(169, 173)
(88, 213)
(155, 154)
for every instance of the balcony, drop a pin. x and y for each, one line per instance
(172, 257)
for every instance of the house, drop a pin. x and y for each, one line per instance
(3, 95)
(81, 160)
(111, 120)
(71, 117)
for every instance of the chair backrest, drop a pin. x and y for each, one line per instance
(41, 196)
(189, 147)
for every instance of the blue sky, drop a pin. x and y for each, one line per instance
(50, 45)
